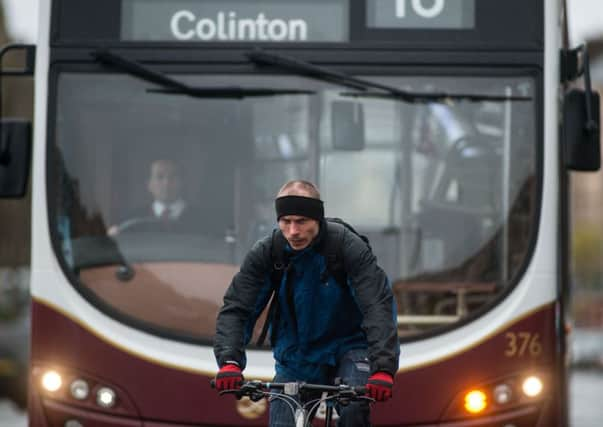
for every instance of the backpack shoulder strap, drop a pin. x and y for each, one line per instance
(278, 258)
(333, 253)
(279, 265)
(352, 229)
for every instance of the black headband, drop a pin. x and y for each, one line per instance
(299, 205)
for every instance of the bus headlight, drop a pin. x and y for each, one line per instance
(79, 389)
(502, 394)
(532, 386)
(51, 381)
(105, 397)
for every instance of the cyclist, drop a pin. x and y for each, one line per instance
(320, 329)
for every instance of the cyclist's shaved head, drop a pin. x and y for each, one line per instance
(299, 188)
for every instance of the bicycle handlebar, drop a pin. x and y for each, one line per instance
(296, 387)
(293, 388)
(302, 412)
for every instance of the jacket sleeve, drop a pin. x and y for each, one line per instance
(375, 299)
(240, 302)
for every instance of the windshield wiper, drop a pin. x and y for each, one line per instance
(177, 87)
(307, 69)
(260, 57)
(426, 97)
(231, 92)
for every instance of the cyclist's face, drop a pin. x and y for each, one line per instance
(298, 230)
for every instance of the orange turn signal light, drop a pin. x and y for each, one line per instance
(475, 401)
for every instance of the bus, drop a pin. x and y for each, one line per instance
(443, 130)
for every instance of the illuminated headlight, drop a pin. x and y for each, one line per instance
(532, 386)
(105, 397)
(79, 389)
(475, 401)
(502, 394)
(51, 381)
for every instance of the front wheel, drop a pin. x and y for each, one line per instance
(300, 418)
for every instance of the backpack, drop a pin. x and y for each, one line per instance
(331, 250)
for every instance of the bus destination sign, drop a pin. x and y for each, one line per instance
(421, 14)
(235, 20)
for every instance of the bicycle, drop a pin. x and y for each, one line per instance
(303, 413)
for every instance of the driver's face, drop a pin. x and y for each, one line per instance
(164, 182)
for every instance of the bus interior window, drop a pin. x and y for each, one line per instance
(470, 240)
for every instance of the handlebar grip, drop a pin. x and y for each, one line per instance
(361, 390)
(212, 383)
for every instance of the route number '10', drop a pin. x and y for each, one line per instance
(436, 8)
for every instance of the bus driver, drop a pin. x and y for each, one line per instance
(320, 330)
(167, 210)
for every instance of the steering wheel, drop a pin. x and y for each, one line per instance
(139, 224)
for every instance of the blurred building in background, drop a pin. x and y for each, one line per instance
(17, 101)
(586, 26)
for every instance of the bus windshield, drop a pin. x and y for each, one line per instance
(156, 197)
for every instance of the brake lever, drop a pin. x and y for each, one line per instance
(257, 396)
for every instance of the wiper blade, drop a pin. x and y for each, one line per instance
(307, 69)
(176, 87)
(304, 68)
(321, 73)
(138, 70)
(231, 92)
(427, 97)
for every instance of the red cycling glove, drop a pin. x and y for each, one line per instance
(379, 386)
(229, 377)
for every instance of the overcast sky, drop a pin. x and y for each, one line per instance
(585, 19)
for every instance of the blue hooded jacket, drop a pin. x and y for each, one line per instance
(318, 321)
